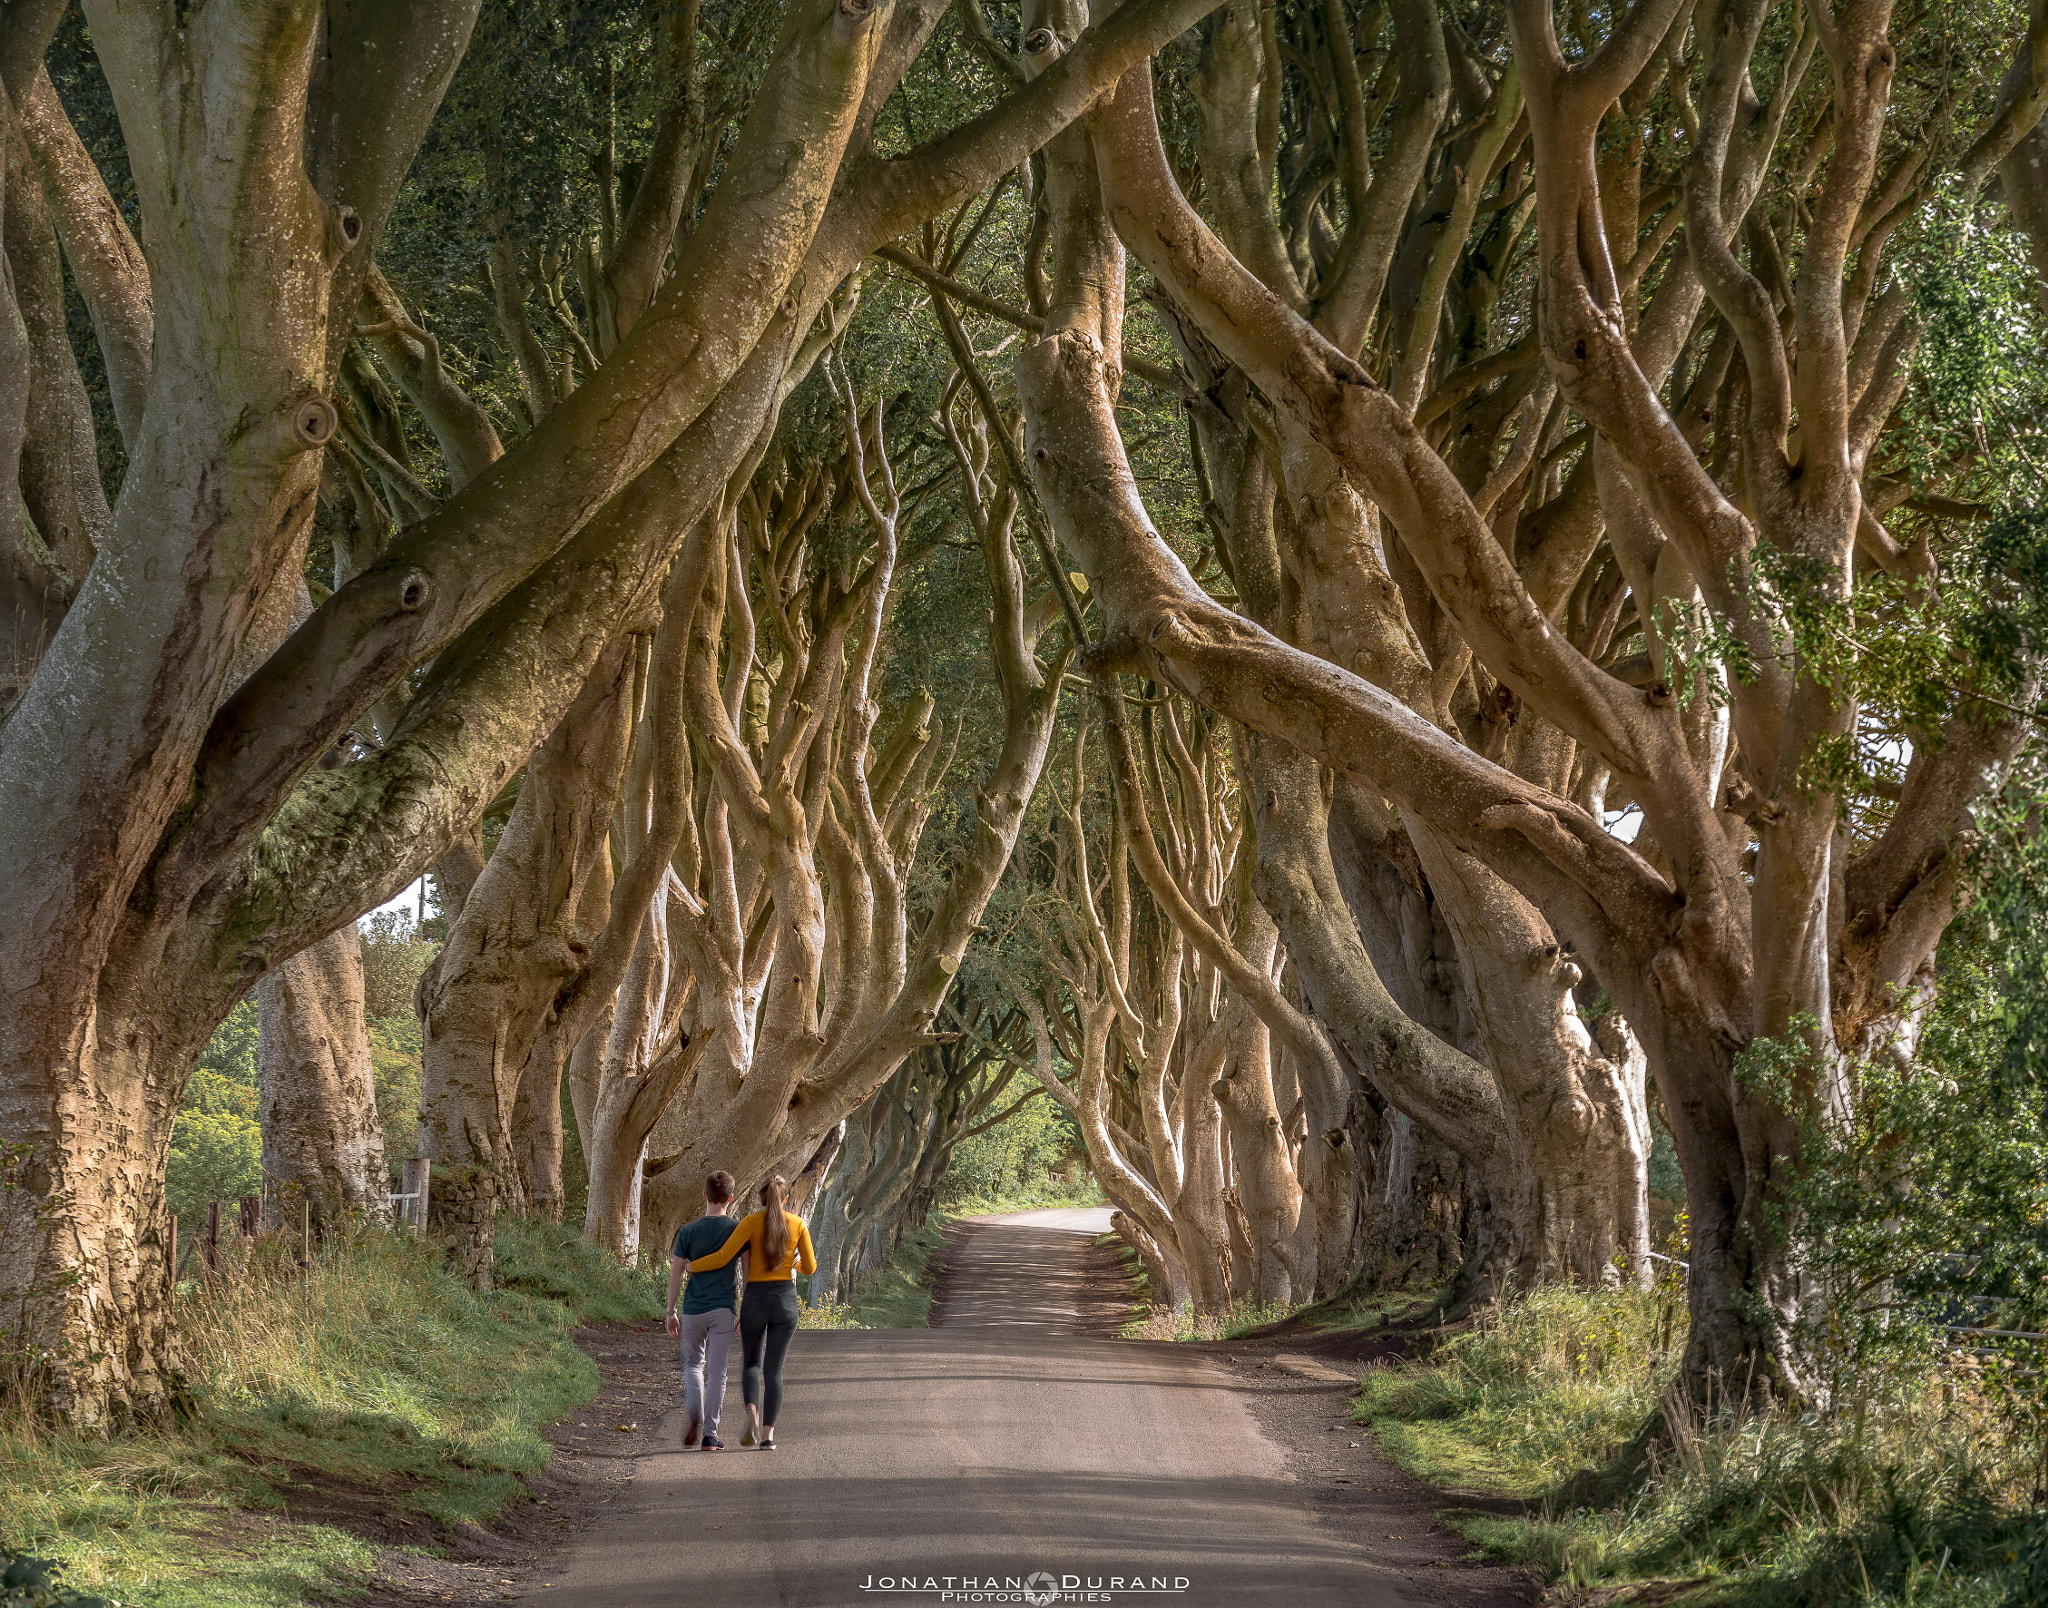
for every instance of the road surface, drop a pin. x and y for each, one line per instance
(998, 1450)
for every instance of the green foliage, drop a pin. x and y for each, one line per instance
(2008, 633)
(1558, 1381)
(216, 1144)
(1921, 1199)
(1016, 1157)
(231, 1052)
(1666, 1181)
(554, 1260)
(213, 1094)
(28, 1582)
(1240, 1318)
(827, 1315)
(377, 1374)
(394, 956)
(1978, 398)
(898, 1294)
(1967, 436)
(1921, 1202)
(214, 1156)
(397, 1060)
(1699, 648)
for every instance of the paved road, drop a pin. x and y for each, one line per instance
(995, 1447)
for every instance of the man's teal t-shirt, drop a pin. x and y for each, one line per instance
(706, 1292)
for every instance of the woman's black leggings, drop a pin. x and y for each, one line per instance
(767, 1322)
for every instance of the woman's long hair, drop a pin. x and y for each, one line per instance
(774, 1226)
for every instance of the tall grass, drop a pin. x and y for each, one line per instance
(372, 1374)
(1239, 1318)
(1917, 1490)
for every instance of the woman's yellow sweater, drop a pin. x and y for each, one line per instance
(799, 1258)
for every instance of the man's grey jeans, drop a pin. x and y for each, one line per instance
(707, 1338)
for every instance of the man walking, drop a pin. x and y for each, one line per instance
(709, 1311)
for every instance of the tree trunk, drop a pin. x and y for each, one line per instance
(831, 1220)
(1576, 1198)
(1169, 1278)
(84, 1277)
(486, 997)
(805, 1181)
(1417, 1236)
(317, 1085)
(1199, 1221)
(162, 839)
(537, 1131)
(1268, 1192)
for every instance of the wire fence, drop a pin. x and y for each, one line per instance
(274, 1211)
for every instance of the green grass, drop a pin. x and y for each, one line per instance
(1240, 1318)
(1359, 1309)
(1351, 1308)
(898, 1294)
(377, 1378)
(1914, 1495)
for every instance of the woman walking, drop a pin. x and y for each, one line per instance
(778, 1247)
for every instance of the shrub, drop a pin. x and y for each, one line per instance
(397, 1059)
(1017, 1156)
(394, 955)
(214, 1156)
(27, 1582)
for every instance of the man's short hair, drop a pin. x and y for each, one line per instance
(721, 1186)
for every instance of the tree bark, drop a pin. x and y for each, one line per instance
(317, 1087)
(485, 998)
(1262, 1163)
(122, 735)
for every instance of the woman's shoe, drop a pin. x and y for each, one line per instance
(753, 1434)
(767, 1446)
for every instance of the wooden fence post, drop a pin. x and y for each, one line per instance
(212, 1242)
(173, 1263)
(416, 1174)
(252, 1216)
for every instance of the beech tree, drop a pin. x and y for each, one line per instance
(170, 837)
(897, 1147)
(1796, 363)
(1566, 431)
(1168, 1010)
(783, 978)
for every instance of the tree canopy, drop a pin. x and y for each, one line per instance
(1383, 599)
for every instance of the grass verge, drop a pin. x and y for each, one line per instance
(1353, 1308)
(1917, 1494)
(373, 1401)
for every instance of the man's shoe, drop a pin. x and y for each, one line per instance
(713, 1444)
(690, 1434)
